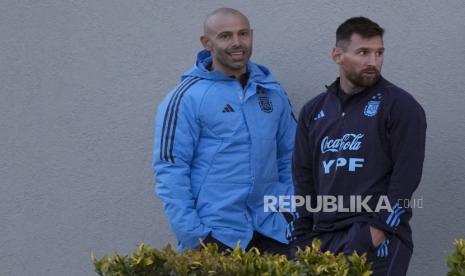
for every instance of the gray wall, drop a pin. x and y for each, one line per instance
(80, 82)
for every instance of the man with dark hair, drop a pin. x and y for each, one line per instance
(223, 140)
(360, 143)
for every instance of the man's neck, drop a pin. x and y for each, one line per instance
(236, 74)
(348, 87)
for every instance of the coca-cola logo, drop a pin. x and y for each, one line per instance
(349, 141)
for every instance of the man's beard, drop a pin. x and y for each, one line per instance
(361, 80)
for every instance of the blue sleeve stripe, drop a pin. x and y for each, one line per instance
(170, 120)
(392, 213)
(383, 250)
(394, 218)
(397, 219)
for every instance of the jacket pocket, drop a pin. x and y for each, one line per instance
(365, 230)
(360, 238)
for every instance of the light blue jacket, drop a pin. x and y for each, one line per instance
(219, 148)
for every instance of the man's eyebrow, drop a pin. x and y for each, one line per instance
(368, 48)
(241, 30)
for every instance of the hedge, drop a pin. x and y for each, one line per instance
(208, 261)
(147, 261)
(456, 261)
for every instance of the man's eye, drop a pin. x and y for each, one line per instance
(379, 54)
(362, 53)
(223, 36)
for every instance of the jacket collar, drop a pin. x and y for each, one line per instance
(335, 86)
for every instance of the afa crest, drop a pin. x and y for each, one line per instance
(265, 104)
(263, 100)
(371, 108)
(373, 105)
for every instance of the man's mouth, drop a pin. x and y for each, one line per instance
(237, 54)
(370, 72)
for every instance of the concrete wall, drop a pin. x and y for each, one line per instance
(80, 81)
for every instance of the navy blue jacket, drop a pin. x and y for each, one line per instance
(371, 144)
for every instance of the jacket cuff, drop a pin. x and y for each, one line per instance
(193, 240)
(388, 221)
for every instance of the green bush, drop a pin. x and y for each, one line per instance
(456, 261)
(208, 261)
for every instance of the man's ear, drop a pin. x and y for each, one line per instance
(337, 55)
(205, 42)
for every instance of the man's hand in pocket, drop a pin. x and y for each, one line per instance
(377, 236)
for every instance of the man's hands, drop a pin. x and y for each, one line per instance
(377, 236)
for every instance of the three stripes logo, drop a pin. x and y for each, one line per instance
(383, 250)
(228, 108)
(319, 116)
(171, 118)
(394, 218)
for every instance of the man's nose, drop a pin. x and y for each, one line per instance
(235, 40)
(372, 59)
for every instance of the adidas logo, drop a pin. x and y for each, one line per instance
(320, 115)
(228, 108)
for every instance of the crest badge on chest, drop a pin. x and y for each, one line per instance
(371, 109)
(264, 101)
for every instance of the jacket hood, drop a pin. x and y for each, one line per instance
(258, 73)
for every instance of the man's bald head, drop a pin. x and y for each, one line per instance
(228, 38)
(211, 17)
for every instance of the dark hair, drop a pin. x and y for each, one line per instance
(359, 25)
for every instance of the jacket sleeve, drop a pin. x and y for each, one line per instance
(302, 172)
(406, 131)
(285, 141)
(176, 137)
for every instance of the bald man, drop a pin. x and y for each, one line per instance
(223, 141)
